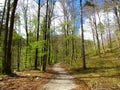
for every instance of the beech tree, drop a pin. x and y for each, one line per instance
(45, 34)
(8, 45)
(5, 44)
(25, 17)
(82, 37)
(37, 39)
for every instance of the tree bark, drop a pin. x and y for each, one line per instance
(36, 58)
(5, 44)
(45, 49)
(82, 36)
(9, 52)
(3, 15)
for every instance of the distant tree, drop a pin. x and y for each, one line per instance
(108, 30)
(25, 17)
(94, 10)
(72, 26)
(101, 30)
(18, 24)
(88, 12)
(65, 26)
(100, 27)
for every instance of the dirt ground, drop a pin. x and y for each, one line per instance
(26, 80)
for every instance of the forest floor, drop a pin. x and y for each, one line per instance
(26, 80)
(102, 73)
(56, 78)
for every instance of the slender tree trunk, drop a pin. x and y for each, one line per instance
(3, 15)
(18, 57)
(109, 33)
(65, 27)
(73, 31)
(93, 34)
(67, 42)
(97, 36)
(49, 36)
(45, 56)
(73, 49)
(49, 40)
(36, 58)
(26, 29)
(101, 33)
(117, 16)
(19, 46)
(82, 36)
(102, 43)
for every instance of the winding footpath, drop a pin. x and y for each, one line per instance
(61, 81)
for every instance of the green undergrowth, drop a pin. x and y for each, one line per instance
(101, 73)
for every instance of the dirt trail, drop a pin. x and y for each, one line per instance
(61, 81)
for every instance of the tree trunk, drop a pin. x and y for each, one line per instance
(3, 15)
(101, 33)
(102, 43)
(19, 53)
(5, 44)
(82, 36)
(9, 52)
(26, 29)
(36, 58)
(109, 33)
(45, 49)
(97, 37)
(93, 34)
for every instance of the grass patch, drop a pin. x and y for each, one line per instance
(101, 73)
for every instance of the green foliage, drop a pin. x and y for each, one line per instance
(88, 3)
(66, 23)
(101, 28)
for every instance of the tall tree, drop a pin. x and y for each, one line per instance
(9, 51)
(45, 31)
(108, 30)
(38, 27)
(117, 11)
(50, 14)
(116, 6)
(65, 26)
(101, 30)
(93, 5)
(100, 26)
(5, 44)
(82, 37)
(18, 26)
(88, 11)
(25, 16)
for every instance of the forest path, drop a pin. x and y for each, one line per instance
(61, 81)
